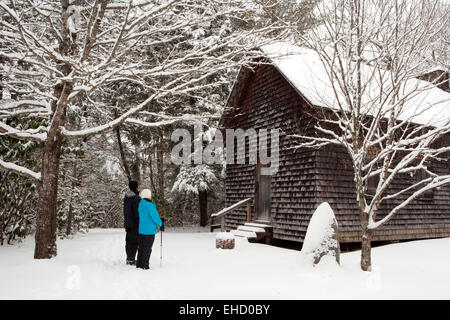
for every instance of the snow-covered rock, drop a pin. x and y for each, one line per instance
(224, 236)
(225, 240)
(321, 238)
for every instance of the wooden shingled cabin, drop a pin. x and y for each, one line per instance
(267, 97)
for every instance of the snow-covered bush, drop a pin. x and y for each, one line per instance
(194, 179)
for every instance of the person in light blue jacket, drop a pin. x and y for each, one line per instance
(149, 220)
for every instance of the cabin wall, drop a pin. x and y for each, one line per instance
(440, 77)
(269, 101)
(426, 217)
(335, 185)
(308, 177)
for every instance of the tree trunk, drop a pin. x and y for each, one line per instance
(45, 247)
(366, 237)
(203, 203)
(45, 237)
(160, 165)
(69, 219)
(74, 185)
(366, 248)
(152, 181)
(1, 79)
(136, 167)
(122, 153)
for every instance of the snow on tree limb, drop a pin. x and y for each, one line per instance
(167, 120)
(22, 171)
(120, 4)
(38, 134)
(106, 127)
(8, 105)
(34, 111)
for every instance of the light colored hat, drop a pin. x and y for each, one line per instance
(146, 194)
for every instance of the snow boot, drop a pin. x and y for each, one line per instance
(131, 262)
(143, 268)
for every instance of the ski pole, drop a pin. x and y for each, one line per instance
(160, 251)
(160, 256)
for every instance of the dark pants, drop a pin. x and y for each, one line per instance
(131, 243)
(145, 250)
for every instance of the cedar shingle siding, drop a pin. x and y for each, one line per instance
(306, 177)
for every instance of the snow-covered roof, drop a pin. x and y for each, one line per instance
(305, 71)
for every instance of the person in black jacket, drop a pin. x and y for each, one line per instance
(131, 221)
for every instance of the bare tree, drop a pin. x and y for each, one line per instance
(388, 122)
(60, 52)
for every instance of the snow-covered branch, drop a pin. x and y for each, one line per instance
(22, 171)
(430, 184)
(39, 134)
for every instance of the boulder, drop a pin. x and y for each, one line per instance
(322, 236)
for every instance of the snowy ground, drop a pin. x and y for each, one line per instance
(91, 266)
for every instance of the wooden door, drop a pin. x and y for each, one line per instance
(262, 195)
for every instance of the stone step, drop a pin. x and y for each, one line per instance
(262, 221)
(256, 229)
(257, 225)
(244, 234)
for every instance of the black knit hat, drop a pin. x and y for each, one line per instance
(133, 185)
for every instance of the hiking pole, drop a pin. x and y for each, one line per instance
(160, 251)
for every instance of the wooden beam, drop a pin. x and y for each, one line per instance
(230, 208)
(221, 214)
